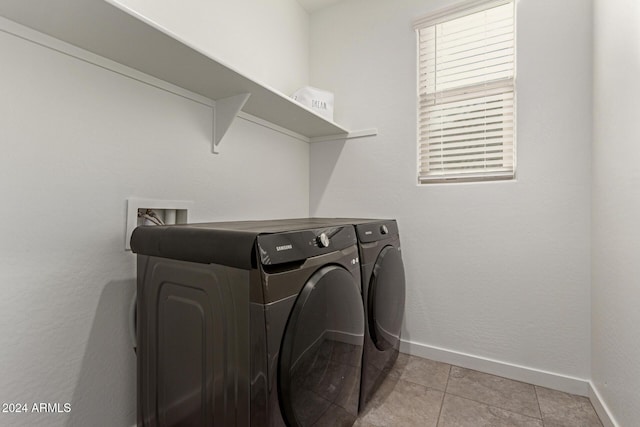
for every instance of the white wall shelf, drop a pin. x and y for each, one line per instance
(111, 30)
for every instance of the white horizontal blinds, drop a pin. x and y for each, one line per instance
(466, 107)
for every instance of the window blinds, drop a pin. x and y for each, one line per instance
(466, 96)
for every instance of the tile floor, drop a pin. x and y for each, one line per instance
(421, 392)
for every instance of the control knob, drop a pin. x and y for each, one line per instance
(384, 229)
(322, 240)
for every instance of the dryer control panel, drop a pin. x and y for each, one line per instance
(374, 231)
(279, 248)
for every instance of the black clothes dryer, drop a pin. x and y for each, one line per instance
(248, 323)
(383, 294)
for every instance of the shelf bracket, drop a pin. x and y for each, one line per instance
(225, 111)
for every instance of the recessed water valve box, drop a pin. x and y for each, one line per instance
(154, 212)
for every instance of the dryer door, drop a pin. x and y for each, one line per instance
(321, 351)
(385, 302)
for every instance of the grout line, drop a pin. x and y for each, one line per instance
(555, 381)
(503, 377)
(409, 380)
(495, 406)
(485, 403)
(443, 396)
(535, 389)
(491, 405)
(448, 377)
(470, 399)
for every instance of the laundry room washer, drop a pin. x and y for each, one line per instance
(248, 324)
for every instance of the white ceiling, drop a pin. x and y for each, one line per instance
(313, 5)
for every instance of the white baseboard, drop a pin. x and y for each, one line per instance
(538, 377)
(601, 408)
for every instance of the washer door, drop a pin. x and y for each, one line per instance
(385, 305)
(321, 351)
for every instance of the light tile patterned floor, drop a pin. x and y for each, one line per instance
(421, 392)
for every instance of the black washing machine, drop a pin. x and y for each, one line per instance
(248, 324)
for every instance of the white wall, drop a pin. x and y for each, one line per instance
(267, 41)
(494, 270)
(77, 140)
(616, 203)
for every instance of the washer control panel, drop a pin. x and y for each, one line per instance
(292, 246)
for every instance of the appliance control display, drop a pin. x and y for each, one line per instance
(278, 248)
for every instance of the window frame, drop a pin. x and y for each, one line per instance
(438, 17)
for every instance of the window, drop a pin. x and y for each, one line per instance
(466, 108)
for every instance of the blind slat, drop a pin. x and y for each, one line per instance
(473, 135)
(493, 56)
(436, 156)
(480, 119)
(456, 111)
(467, 153)
(473, 139)
(494, 157)
(478, 164)
(507, 144)
(502, 86)
(464, 46)
(465, 30)
(468, 170)
(468, 175)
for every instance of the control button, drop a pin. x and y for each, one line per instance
(384, 229)
(323, 240)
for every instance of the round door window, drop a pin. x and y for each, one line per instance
(321, 351)
(385, 306)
